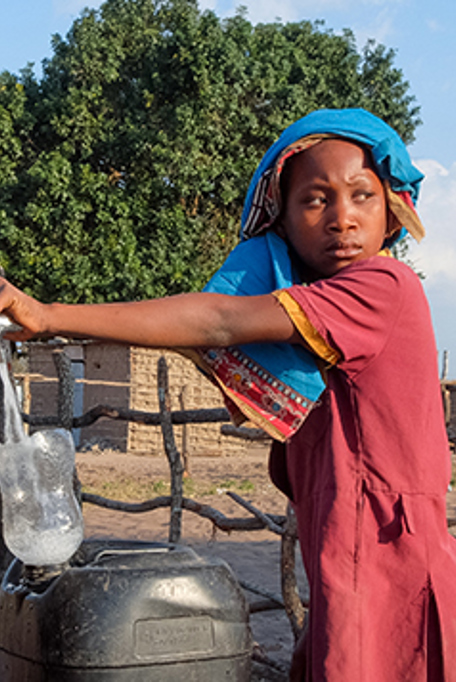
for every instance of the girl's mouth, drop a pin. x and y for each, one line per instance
(342, 251)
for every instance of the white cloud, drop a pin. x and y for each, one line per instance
(435, 26)
(264, 11)
(72, 7)
(436, 256)
(207, 4)
(382, 27)
(379, 30)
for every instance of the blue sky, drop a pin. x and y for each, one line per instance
(423, 34)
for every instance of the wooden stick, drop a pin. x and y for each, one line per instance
(204, 510)
(202, 416)
(293, 605)
(65, 403)
(256, 512)
(172, 453)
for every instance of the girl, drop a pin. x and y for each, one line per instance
(316, 334)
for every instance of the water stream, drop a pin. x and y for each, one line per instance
(42, 521)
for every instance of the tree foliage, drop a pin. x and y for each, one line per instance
(124, 168)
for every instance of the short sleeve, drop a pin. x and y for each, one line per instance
(353, 312)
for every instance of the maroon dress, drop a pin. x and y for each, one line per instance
(368, 474)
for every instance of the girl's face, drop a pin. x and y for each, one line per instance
(335, 208)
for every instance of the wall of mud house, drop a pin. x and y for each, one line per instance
(126, 377)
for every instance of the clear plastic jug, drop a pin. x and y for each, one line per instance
(42, 520)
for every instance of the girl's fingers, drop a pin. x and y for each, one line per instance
(24, 311)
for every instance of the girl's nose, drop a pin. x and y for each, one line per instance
(341, 216)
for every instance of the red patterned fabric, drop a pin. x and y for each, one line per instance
(272, 404)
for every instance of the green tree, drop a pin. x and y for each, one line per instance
(126, 165)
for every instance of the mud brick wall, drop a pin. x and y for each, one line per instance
(189, 390)
(126, 377)
(43, 394)
(106, 382)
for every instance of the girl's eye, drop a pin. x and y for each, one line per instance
(363, 195)
(316, 201)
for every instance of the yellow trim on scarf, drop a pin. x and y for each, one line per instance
(404, 215)
(308, 332)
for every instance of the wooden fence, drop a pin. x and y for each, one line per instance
(282, 525)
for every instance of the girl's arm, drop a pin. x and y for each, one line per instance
(187, 320)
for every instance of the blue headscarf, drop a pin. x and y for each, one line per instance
(275, 385)
(390, 156)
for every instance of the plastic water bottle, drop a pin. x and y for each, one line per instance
(42, 520)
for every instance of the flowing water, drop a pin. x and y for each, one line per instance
(42, 521)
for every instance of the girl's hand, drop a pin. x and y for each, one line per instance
(24, 310)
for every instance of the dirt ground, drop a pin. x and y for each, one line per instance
(254, 556)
